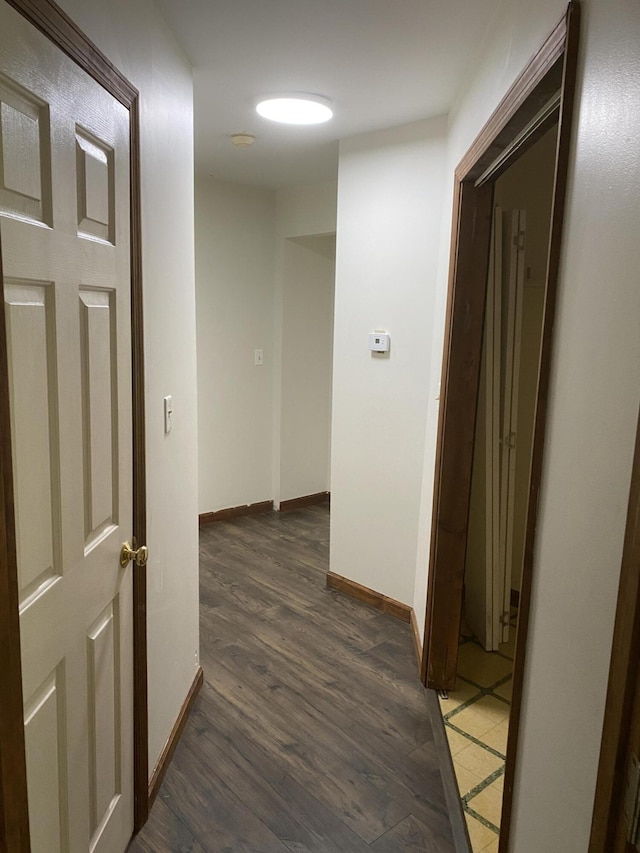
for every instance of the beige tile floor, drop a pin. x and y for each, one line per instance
(476, 717)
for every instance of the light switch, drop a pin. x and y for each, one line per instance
(168, 413)
(258, 357)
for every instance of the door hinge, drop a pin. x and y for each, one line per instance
(509, 440)
(519, 240)
(632, 802)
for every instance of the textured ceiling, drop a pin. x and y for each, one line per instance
(382, 62)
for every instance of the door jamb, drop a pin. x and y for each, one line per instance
(623, 673)
(14, 818)
(552, 68)
(55, 24)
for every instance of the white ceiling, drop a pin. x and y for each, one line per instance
(382, 62)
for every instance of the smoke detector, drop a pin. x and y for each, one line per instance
(243, 140)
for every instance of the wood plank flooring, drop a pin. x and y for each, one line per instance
(311, 733)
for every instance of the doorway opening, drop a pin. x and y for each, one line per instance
(303, 453)
(476, 712)
(541, 97)
(265, 277)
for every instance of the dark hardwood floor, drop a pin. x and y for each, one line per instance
(311, 732)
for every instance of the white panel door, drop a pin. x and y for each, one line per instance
(493, 332)
(503, 333)
(511, 356)
(64, 220)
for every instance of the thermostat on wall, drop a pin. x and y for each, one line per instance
(379, 341)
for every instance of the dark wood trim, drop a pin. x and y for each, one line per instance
(528, 94)
(552, 68)
(140, 696)
(56, 25)
(458, 823)
(541, 125)
(433, 568)
(462, 351)
(14, 814)
(169, 748)
(417, 638)
(234, 512)
(458, 396)
(305, 500)
(569, 73)
(370, 596)
(623, 672)
(515, 598)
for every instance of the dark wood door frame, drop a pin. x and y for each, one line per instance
(622, 687)
(552, 69)
(14, 820)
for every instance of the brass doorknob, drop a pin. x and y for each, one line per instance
(130, 552)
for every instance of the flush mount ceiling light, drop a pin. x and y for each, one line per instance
(296, 109)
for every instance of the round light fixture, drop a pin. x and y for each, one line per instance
(296, 109)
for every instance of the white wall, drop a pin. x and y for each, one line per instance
(593, 407)
(235, 244)
(305, 214)
(389, 211)
(307, 359)
(306, 209)
(254, 285)
(136, 40)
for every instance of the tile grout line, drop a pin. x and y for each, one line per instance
(481, 786)
(449, 719)
(485, 691)
(481, 819)
(475, 740)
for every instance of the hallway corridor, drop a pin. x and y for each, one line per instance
(311, 732)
